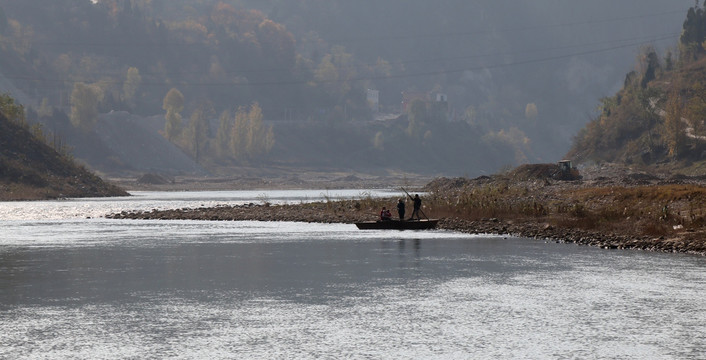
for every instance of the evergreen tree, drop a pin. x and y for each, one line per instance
(690, 28)
(693, 33)
(669, 61)
(652, 66)
(12, 110)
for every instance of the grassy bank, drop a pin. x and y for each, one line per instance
(618, 212)
(614, 213)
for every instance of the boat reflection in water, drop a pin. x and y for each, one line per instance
(74, 285)
(425, 224)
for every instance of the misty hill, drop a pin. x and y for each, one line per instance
(382, 146)
(135, 143)
(120, 143)
(494, 85)
(658, 123)
(657, 118)
(29, 169)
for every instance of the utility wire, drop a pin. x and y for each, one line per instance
(357, 67)
(403, 64)
(494, 31)
(371, 78)
(446, 35)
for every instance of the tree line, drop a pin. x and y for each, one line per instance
(305, 61)
(134, 55)
(241, 137)
(659, 113)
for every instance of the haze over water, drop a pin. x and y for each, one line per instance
(74, 287)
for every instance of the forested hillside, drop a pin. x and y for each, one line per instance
(450, 86)
(659, 115)
(30, 169)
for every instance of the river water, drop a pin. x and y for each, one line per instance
(75, 285)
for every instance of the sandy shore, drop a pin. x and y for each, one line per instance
(609, 206)
(351, 211)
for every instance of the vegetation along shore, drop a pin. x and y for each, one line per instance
(30, 169)
(609, 206)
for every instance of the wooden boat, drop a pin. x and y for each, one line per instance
(425, 224)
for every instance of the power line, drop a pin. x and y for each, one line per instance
(245, 72)
(376, 38)
(495, 31)
(525, 62)
(451, 34)
(632, 40)
(381, 77)
(405, 63)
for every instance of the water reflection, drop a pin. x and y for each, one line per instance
(379, 295)
(416, 246)
(148, 200)
(151, 289)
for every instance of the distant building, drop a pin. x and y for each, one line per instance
(409, 97)
(437, 104)
(439, 109)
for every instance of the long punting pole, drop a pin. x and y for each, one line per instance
(410, 196)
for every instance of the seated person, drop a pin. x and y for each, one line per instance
(385, 214)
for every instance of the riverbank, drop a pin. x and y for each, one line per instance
(350, 212)
(624, 210)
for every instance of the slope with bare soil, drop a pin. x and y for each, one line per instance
(29, 169)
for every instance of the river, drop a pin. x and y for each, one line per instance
(75, 285)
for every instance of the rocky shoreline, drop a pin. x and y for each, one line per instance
(351, 211)
(576, 236)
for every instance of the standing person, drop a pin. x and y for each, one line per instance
(417, 207)
(400, 209)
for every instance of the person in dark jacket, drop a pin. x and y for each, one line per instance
(400, 209)
(417, 207)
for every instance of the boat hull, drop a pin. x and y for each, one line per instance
(398, 225)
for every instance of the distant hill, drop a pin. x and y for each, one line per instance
(658, 118)
(661, 122)
(496, 85)
(31, 170)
